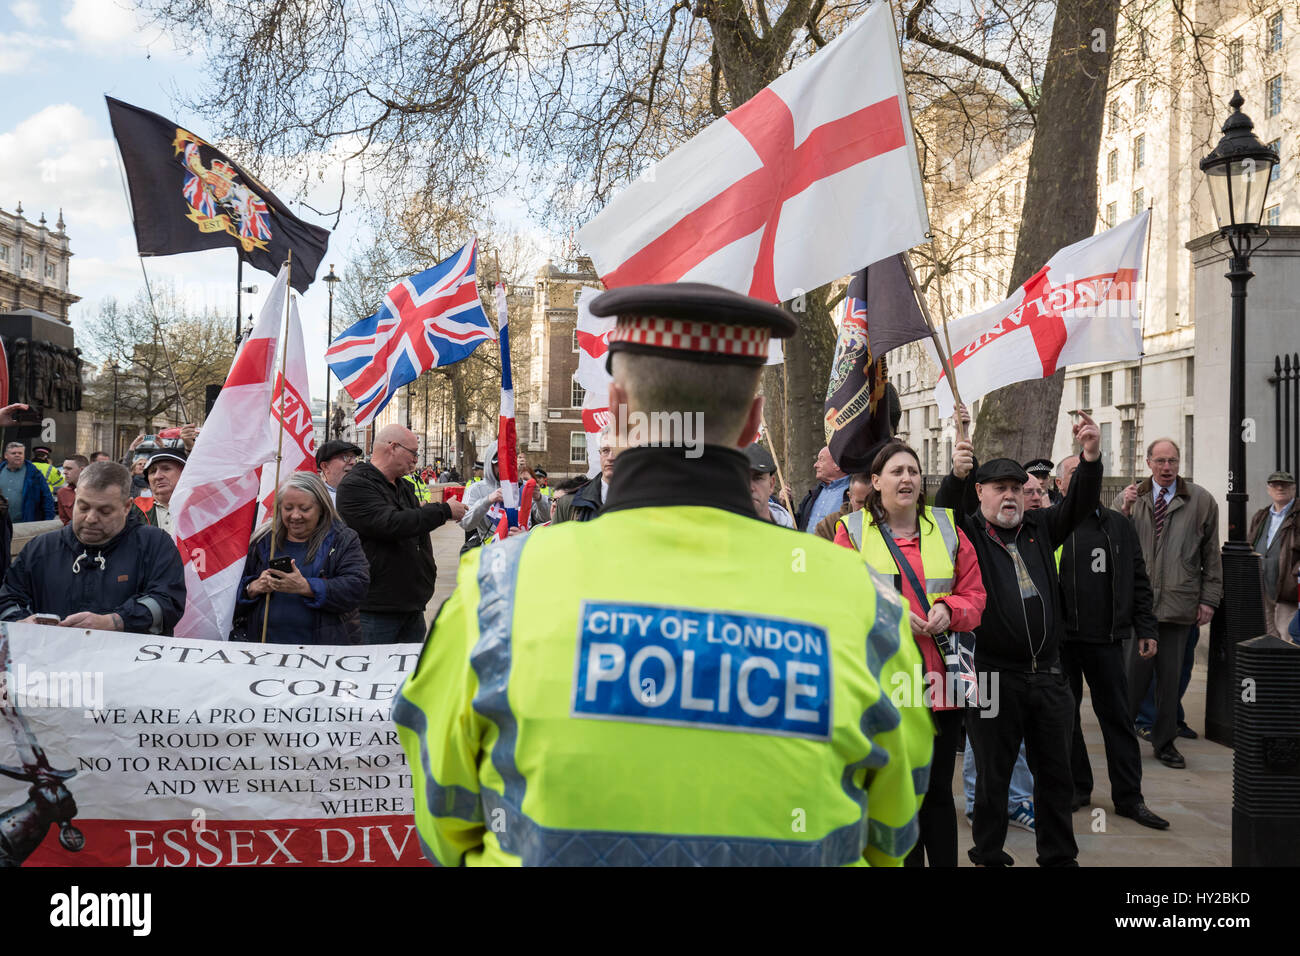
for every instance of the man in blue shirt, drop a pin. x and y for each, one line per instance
(828, 496)
(24, 487)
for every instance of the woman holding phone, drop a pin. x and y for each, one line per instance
(317, 580)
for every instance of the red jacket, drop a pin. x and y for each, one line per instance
(965, 604)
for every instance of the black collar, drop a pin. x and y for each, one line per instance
(665, 477)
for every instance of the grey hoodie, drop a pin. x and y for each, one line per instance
(477, 503)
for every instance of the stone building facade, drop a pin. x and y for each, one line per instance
(34, 265)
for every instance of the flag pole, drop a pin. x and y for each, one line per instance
(1142, 350)
(776, 461)
(279, 444)
(944, 353)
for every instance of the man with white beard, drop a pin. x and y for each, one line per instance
(1018, 640)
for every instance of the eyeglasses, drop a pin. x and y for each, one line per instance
(1163, 461)
(606, 451)
(414, 452)
(1034, 493)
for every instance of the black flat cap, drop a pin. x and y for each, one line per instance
(1039, 466)
(760, 459)
(333, 448)
(692, 320)
(1001, 468)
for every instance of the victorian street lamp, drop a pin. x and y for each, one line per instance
(113, 445)
(331, 279)
(1238, 172)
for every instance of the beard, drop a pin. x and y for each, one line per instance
(1007, 520)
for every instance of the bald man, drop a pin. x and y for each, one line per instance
(394, 528)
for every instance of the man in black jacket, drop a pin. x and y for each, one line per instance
(394, 528)
(1017, 643)
(1107, 599)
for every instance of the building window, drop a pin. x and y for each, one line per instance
(987, 293)
(1112, 112)
(1128, 443)
(1108, 388)
(4, 253)
(534, 433)
(1107, 449)
(577, 393)
(1273, 216)
(1002, 282)
(1235, 51)
(1002, 204)
(1085, 391)
(947, 467)
(1273, 95)
(577, 448)
(961, 300)
(1190, 365)
(28, 262)
(1112, 214)
(1112, 166)
(1275, 33)
(575, 338)
(1276, 172)
(1140, 97)
(1132, 385)
(1189, 432)
(51, 270)
(1139, 152)
(1139, 201)
(972, 295)
(1015, 206)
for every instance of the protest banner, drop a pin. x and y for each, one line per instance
(200, 753)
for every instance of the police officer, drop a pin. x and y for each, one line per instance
(41, 462)
(658, 708)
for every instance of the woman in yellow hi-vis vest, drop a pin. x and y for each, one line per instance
(901, 537)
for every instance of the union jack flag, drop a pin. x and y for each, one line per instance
(430, 319)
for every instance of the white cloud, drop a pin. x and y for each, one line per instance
(114, 28)
(26, 52)
(27, 12)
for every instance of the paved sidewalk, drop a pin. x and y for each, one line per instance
(1197, 801)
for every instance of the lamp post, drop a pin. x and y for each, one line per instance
(113, 445)
(1238, 172)
(331, 279)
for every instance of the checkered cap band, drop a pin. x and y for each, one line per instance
(684, 335)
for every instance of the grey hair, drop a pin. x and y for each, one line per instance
(720, 393)
(1060, 465)
(104, 476)
(15, 444)
(1151, 447)
(311, 483)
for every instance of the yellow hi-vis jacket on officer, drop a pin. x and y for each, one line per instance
(666, 703)
(422, 493)
(53, 475)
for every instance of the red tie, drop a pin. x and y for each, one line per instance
(1160, 514)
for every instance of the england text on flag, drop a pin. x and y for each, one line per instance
(1080, 307)
(430, 319)
(593, 349)
(799, 186)
(215, 503)
(289, 403)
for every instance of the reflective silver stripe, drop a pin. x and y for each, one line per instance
(490, 658)
(921, 780)
(893, 841)
(537, 845)
(156, 610)
(938, 586)
(853, 525)
(882, 639)
(947, 530)
(441, 800)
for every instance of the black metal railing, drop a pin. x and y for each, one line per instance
(1286, 403)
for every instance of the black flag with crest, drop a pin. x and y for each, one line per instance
(862, 408)
(187, 195)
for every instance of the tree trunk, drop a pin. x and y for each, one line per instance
(1019, 421)
(807, 370)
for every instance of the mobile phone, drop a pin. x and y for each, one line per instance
(47, 619)
(283, 564)
(27, 416)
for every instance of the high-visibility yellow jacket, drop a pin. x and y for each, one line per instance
(422, 493)
(939, 545)
(664, 704)
(53, 476)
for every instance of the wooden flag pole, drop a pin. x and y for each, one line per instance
(944, 353)
(279, 445)
(1138, 416)
(776, 461)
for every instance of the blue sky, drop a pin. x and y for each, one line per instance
(57, 60)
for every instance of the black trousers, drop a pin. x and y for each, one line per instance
(1038, 709)
(937, 818)
(1103, 666)
(1167, 666)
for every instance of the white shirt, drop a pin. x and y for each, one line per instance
(1275, 519)
(1157, 490)
(604, 491)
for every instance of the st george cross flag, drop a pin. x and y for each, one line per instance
(1080, 307)
(793, 189)
(187, 195)
(215, 503)
(880, 314)
(507, 445)
(430, 319)
(593, 348)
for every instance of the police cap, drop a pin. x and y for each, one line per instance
(1039, 466)
(692, 320)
